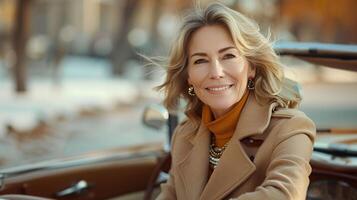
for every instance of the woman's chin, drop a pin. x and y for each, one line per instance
(221, 107)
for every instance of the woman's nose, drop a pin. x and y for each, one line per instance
(216, 71)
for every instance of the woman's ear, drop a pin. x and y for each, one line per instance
(252, 70)
(189, 81)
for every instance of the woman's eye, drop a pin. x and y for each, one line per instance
(228, 56)
(199, 61)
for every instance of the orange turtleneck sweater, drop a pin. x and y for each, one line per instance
(223, 127)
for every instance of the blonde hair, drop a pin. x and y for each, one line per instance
(258, 51)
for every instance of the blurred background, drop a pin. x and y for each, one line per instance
(72, 80)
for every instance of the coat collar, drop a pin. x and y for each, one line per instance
(255, 118)
(193, 169)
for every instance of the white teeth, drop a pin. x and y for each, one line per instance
(219, 88)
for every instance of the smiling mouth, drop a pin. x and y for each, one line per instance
(220, 88)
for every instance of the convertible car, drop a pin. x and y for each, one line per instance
(135, 172)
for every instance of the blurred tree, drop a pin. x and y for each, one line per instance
(122, 50)
(157, 11)
(154, 43)
(20, 37)
(57, 50)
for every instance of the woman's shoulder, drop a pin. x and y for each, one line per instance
(180, 144)
(289, 122)
(186, 129)
(288, 113)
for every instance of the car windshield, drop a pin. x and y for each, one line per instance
(75, 79)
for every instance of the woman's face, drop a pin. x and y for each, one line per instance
(216, 70)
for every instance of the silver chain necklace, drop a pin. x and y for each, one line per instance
(215, 153)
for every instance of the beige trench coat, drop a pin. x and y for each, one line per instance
(280, 168)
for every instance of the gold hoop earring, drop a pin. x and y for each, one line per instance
(191, 91)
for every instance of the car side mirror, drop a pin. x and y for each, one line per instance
(155, 116)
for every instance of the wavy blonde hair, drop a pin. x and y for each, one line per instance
(258, 51)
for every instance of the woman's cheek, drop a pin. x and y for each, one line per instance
(197, 74)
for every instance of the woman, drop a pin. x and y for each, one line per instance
(244, 137)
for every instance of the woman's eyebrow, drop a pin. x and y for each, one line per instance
(219, 51)
(225, 49)
(199, 54)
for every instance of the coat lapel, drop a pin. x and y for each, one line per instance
(233, 169)
(235, 166)
(193, 169)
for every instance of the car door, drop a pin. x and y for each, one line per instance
(99, 175)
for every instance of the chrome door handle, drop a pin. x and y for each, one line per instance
(78, 188)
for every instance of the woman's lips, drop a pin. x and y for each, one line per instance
(218, 89)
